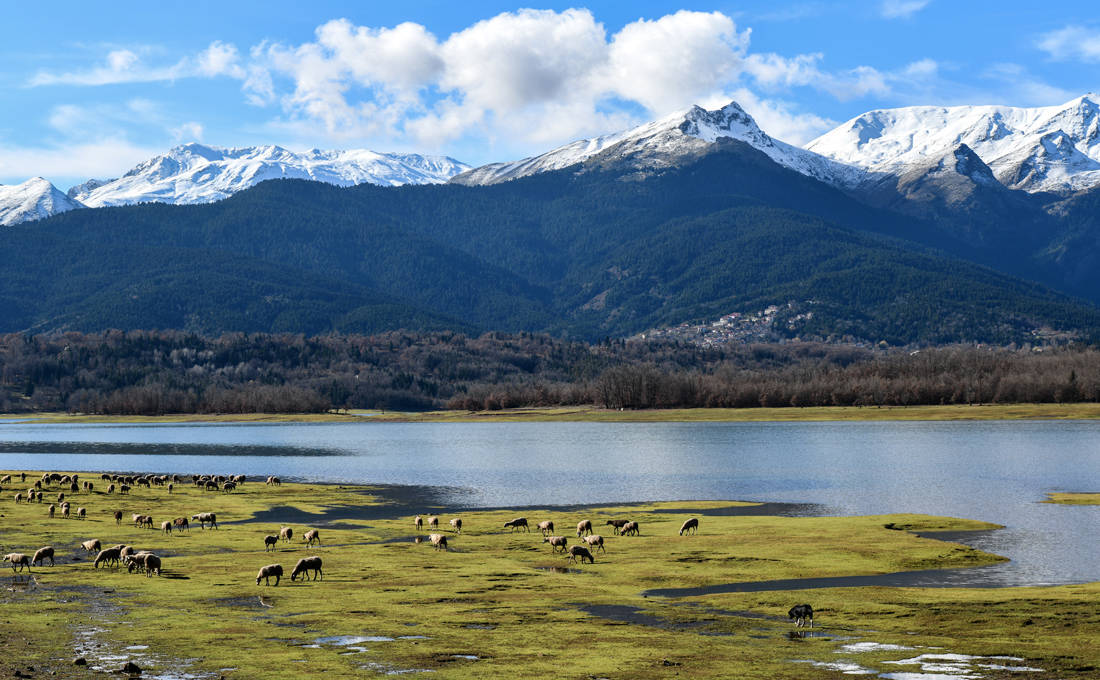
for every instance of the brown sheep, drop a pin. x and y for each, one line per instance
(286, 533)
(595, 540)
(617, 524)
(52, 509)
(576, 551)
(517, 523)
(270, 541)
(631, 529)
(18, 498)
(584, 527)
(41, 554)
(20, 559)
(456, 525)
(556, 542)
(308, 564)
(118, 517)
(438, 541)
(546, 527)
(108, 555)
(267, 572)
(690, 526)
(181, 523)
(312, 536)
(229, 486)
(148, 562)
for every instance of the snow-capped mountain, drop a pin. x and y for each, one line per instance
(1054, 148)
(194, 173)
(663, 141)
(32, 200)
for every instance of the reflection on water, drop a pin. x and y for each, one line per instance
(994, 471)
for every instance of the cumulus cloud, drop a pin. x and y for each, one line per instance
(902, 9)
(776, 71)
(1072, 42)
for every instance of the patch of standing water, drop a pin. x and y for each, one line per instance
(345, 640)
(962, 665)
(858, 647)
(843, 667)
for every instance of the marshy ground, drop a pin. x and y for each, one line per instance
(500, 604)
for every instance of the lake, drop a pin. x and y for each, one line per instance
(996, 471)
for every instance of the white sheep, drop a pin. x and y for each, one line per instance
(595, 540)
(286, 533)
(690, 526)
(42, 554)
(456, 525)
(584, 527)
(312, 536)
(20, 559)
(556, 542)
(546, 527)
(438, 541)
(91, 546)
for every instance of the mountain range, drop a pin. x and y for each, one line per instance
(879, 230)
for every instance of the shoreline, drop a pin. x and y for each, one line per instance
(1076, 411)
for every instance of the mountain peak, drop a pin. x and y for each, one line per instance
(198, 173)
(32, 200)
(662, 142)
(1053, 148)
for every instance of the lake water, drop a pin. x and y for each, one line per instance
(993, 471)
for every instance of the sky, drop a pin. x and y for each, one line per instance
(91, 89)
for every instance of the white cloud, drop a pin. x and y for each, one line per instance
(902, 9)
(1072, 42)
(1026, 89)
(102, 159)
(774, 71)
(190, 131)
(127, 66)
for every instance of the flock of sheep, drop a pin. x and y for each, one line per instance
(149, 563)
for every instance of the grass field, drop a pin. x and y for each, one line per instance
(1084, 411)
(502, 605)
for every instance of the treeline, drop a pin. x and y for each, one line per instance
(159, 372)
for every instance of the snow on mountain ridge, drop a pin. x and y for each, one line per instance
(1053, 148)
(665, 139)
(32, 200)
(196, 173)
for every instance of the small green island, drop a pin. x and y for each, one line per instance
(498, 603)
(1073, 498)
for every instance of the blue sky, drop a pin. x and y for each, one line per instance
(91, 89)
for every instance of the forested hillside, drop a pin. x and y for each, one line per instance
(608, 251)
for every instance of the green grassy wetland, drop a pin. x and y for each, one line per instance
(499, 604)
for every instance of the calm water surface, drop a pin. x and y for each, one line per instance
(993, 471)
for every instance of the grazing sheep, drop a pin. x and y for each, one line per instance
(517, 523)
(286, 533)
(82, 513)
(205, 518)
(617, 524)
(630, 529)
(41, 554)
(6, 479)
(91, 546)
(691, 526)
(60, 496)
(20, 559)
(22, 477)
(595, 540)
(270, 542)
(576, 551)
(123, 488)
(312, 536)
(418, 523)
(584, 527)
(456, 525)
(181, 523)
(18, 498)
(556, 542)
(144, 561)
(110, 488)
(307, 564)
(801, 614)
(166, 526)
(438, 541)
(210, 486)
(118, 517)
(37, 496)
(267, 572)
(52, 509)
(433, 522)
(65, 510)
(228, 486)
(108, 555)
(274, 481)
(125, 551)
(137, 519)
(546, 527)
